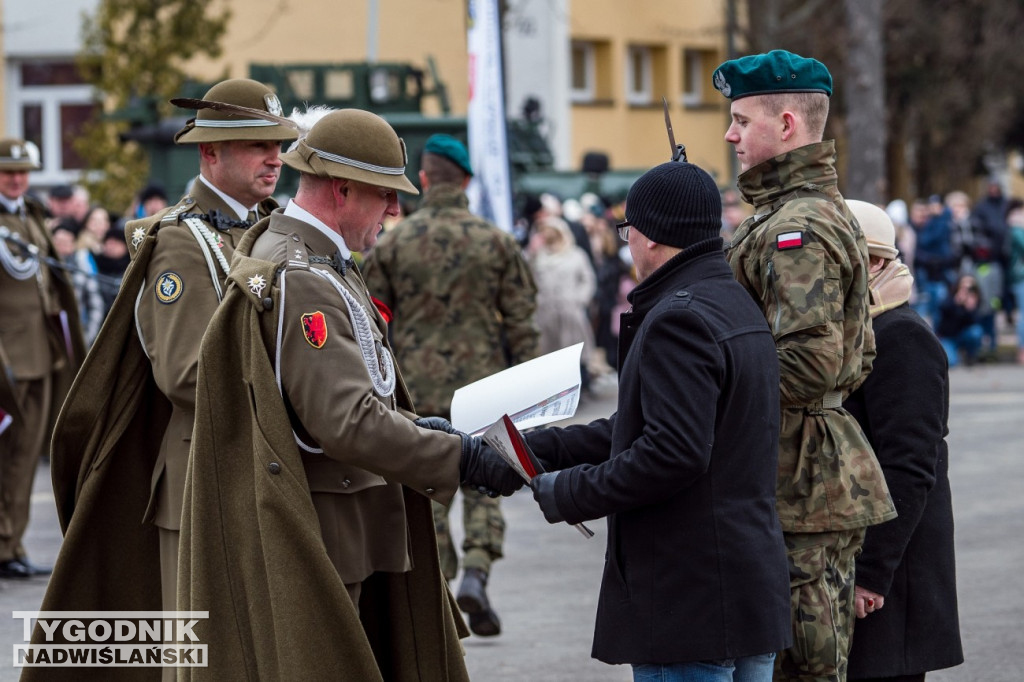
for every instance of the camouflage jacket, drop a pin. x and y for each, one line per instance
(804, 260)
(462, 297)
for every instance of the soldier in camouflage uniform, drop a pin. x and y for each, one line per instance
(463, 302)
(804, 260)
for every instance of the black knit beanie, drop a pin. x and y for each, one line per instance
(676, 204)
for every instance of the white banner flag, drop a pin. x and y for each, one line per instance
(490, 193)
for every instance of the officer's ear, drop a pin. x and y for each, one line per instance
(340, 189)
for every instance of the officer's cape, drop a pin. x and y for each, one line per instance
(251, 552)
(104, 448)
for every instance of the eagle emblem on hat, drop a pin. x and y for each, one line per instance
(273, 104)
(721, 84)
(314, 328)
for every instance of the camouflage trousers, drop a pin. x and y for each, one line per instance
(821, 581)
(484, 526)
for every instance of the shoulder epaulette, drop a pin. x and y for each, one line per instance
(298, 256)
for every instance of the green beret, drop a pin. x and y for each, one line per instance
(451, 149)
(775, 72)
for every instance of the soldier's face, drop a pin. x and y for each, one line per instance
(363, 213)
(246, 170)
(754, 134)
(13, 183)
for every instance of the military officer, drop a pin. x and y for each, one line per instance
(239, 166)
(40, 348)
(804, 259)
(309, 481)
(134, 403)
(457, 286)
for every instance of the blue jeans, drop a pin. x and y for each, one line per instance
(747, 669)
(969, 341)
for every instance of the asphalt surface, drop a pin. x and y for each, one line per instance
(546, 587)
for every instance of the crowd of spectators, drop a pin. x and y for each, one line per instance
(968, 264)
(90, 240)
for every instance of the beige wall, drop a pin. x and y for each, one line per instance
(324, 31)
(634, 136)
(410, 30)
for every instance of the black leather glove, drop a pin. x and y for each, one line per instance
(483, 467)
(435, 424)
(543, 486)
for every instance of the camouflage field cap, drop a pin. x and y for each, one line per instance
(772, 73)
(212, 125)
(355, 145)
(18, 155)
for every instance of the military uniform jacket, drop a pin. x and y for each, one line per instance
(184, 283)
(251, 551)
(804, 259)
(695, 567)
(33, 339)
(462, 296)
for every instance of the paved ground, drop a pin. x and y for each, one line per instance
(546, 588)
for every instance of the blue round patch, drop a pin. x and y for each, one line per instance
(169, 287)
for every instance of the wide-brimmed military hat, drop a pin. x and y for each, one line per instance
(355, 145)
(774, 72)
(215, 122)
(18, 155)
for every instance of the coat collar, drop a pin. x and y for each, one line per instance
(811, 167)
(699, 261)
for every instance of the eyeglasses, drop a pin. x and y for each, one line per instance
(623, 229)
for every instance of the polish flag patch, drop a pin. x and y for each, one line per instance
(789, 240)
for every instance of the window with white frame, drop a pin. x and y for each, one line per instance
(695, 76)
(48, 103)
(584, 71)
(639, 75)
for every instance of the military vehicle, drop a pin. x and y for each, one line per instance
(397, 92)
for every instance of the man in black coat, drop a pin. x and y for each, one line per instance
(906, 578)
(696, 580)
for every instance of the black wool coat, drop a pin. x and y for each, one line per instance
(685, 472)
(903, 407)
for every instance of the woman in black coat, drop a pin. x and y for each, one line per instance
(906, 579)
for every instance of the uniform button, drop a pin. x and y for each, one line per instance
(683, 294)
(429, 491)
(346, 483)
(295, 237)
(268, 303)
(274, 468)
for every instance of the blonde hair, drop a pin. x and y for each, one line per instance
(812, 107)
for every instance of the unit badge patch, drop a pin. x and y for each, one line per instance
(314, 327)
(789, 240)
(169, 287)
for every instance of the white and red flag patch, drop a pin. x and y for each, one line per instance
(789, 240)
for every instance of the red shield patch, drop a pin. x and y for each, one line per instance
(314, 327)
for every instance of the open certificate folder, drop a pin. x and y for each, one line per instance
(533, 393)
(504, 437)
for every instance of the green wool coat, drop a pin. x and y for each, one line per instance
(251, 552)
(101, 462)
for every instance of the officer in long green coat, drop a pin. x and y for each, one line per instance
(120, 448)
